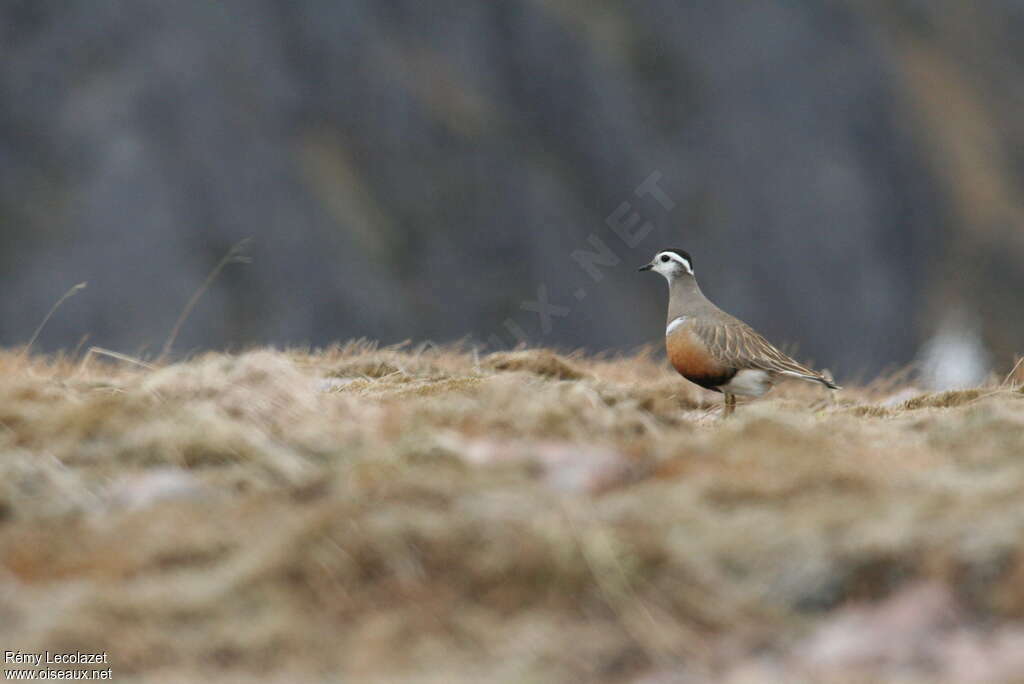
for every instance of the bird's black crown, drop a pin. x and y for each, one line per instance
(681, 252)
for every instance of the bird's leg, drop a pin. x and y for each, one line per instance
(730, 404)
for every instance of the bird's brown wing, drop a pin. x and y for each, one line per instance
(736, 344)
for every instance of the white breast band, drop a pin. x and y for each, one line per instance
(675, 323)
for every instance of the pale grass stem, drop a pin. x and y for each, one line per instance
(1013, 371)
(234, 256)
(78, 347)
(67, 295)
(100, 351)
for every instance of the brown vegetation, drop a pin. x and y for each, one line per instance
(438, 515)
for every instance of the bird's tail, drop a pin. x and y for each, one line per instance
(813, 377)
(828, 383)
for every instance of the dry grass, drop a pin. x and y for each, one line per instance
(386, 514)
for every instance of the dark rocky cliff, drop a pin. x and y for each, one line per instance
(842, 171)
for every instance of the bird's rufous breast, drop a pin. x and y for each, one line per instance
(692, 359)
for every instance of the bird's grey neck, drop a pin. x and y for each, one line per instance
(684, 297)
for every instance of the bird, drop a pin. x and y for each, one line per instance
(713, 349)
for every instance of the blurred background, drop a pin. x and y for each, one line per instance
(846, 173)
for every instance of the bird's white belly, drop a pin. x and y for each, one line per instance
(748, 383)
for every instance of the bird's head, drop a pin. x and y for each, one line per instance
(671, 263)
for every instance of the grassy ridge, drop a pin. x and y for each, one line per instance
(518, 516)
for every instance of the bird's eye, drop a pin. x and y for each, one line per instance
(664, 258)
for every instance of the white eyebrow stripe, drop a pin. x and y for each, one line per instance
(674, 323)
(678, 259)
